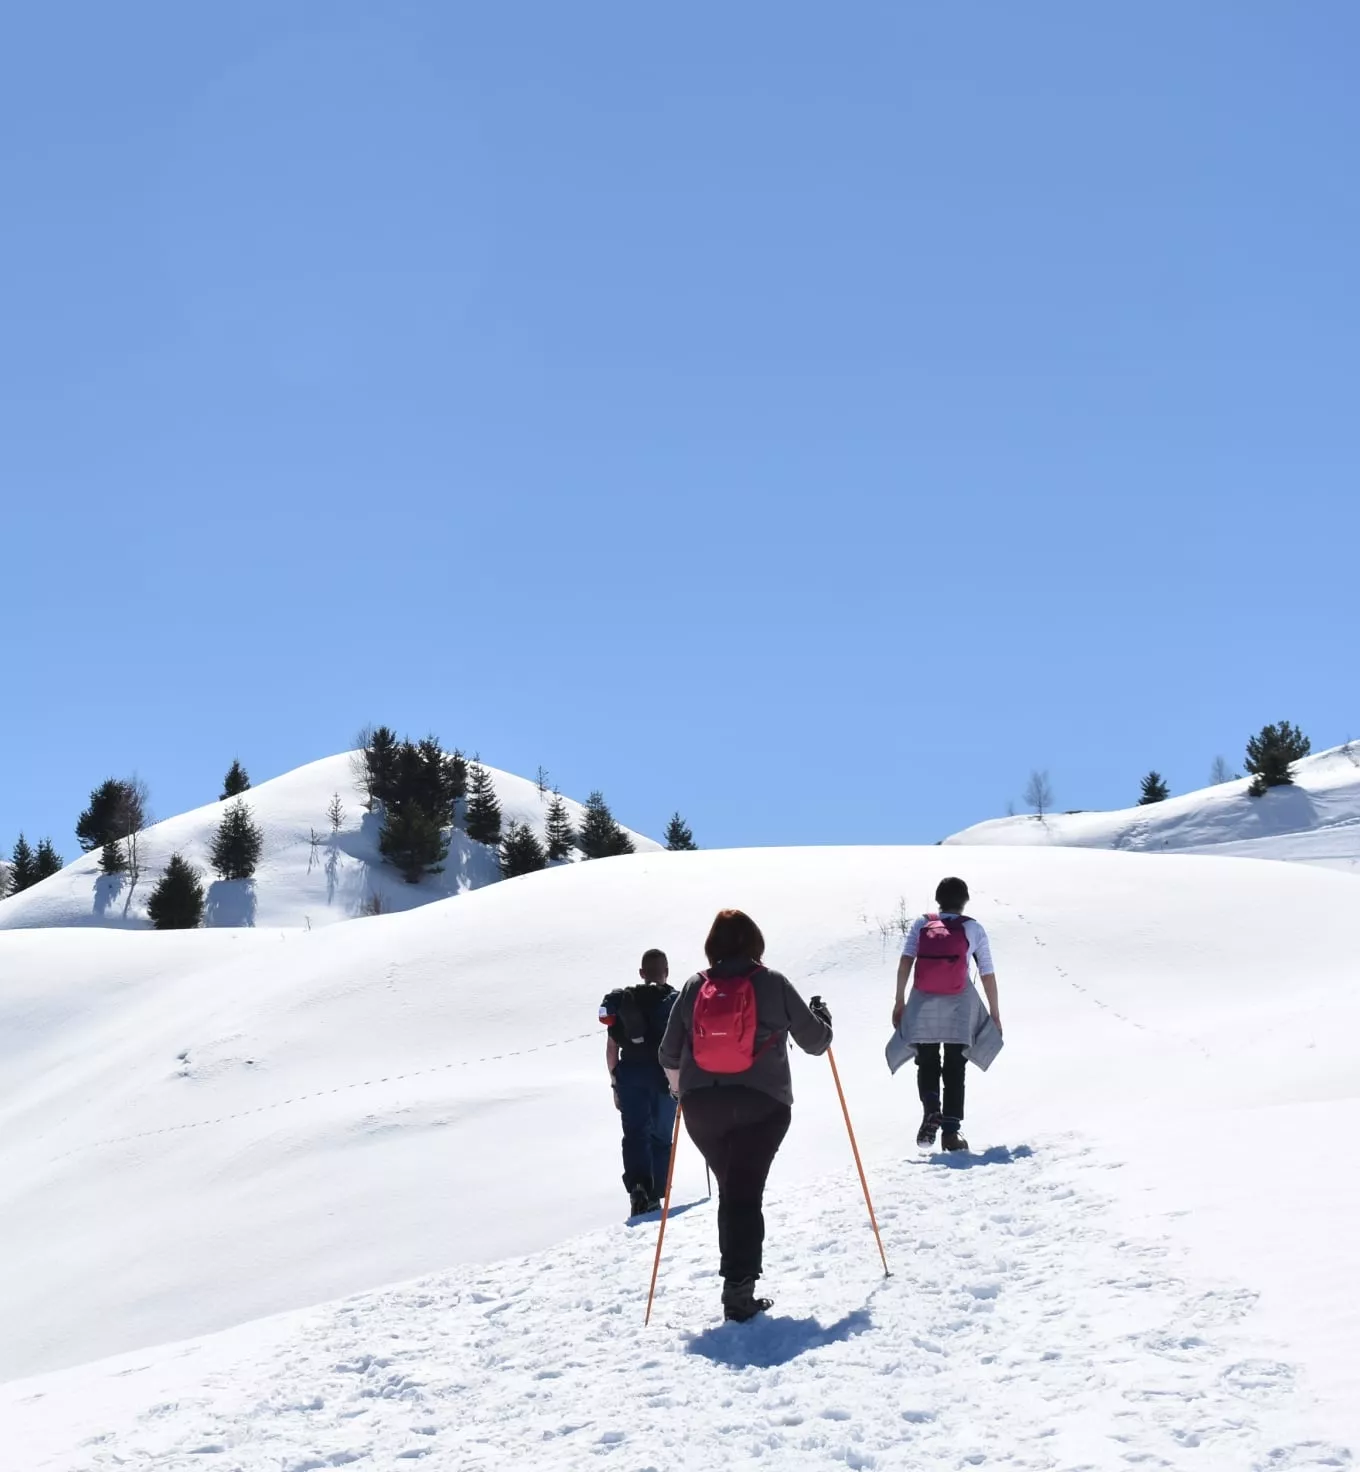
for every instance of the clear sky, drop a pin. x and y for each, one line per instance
(809, 417)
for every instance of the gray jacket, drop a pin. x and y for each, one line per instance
(929, 1018)
(780, 1012)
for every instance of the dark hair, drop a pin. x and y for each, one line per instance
(654, 961)
(951, 894)
(734, 937)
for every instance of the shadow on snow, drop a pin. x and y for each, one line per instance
(766, 1341)
(967, 1159)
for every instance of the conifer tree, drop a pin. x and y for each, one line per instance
(1271, 755)
(600, 837)
(381, 757)
(46, 861)
(1154, 789)
(483, 821)
(100, 821)
(413, 840)
(238, 842)
(335, 812)
(678, 835)
(521, 852)
(455, 776)
(176, 903)
(113, 857)
(235, 782)
(561, 835)
(22, 865)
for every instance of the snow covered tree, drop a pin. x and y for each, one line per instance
(678, 835)
(1039, 793)
(1271, 755)
(413, 840)
(561, 835)
(521, 852)
(1154, 789)
(21, 867)
(176, 903)
(600, 837)
(46, 861)
(238, 842)
(483, 807)
(235, 782)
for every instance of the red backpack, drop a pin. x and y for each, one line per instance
(723, 1032)
(942, 955)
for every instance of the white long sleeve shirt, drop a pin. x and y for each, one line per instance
(978, 946)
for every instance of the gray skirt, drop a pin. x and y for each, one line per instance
(930, 1018)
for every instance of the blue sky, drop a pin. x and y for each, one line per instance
(812, 418)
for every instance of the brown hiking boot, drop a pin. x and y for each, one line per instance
(954, 1141)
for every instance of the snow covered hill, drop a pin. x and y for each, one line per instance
(201, 1129)
(1316, 821)
(299, 882)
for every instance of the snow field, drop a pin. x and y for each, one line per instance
(1023, 1328)
(298, 883)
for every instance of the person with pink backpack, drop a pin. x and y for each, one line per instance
(726, 1054)
(944, 1014)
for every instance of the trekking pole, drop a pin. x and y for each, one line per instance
(708, 1176)
(665, 1212)
(850, 1130)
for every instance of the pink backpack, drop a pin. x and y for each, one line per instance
(942, 956)
(723, 1031)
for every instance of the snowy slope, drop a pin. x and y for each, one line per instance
(1024, 1327)
(1315, 821)
(297, 883)
(200, 1129)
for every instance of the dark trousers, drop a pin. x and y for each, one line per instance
(738, 1132)
(928, 1071)
(647, 1112)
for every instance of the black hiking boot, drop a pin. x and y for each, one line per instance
(640, 1200)
(930, 1127)
(954, 1141)
(739, 1300)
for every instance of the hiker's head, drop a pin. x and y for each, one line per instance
(655, 967)
(951, 895)
(734, 937)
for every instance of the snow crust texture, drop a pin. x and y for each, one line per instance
(300, 882)
(1022, 1328)
(1315, 821)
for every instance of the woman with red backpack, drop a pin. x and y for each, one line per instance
(726, 1054)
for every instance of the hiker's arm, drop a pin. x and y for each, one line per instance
(903, 981)
(993, 1006)
(809, 1031)
(611, 1055)
(673, 1079)
(673, 1039)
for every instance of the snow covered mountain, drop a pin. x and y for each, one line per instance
(308, 876)
(1316, 821)
(199, 1129)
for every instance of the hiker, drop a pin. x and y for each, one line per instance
(944, 1014)
(726, 1055)
(636, 1017)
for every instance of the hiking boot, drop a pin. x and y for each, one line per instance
(739, 1300)
(954, 1141)
(640, 1199)
(930, 1127)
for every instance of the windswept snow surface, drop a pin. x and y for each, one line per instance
(1316, 821)
(201, 1129)
(299, 882)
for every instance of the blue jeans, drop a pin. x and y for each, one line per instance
(648, 1116)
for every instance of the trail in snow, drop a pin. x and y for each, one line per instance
(1022, 1328)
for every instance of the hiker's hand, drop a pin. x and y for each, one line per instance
(820, 1011)
(614, 1090)
(898, 1009)
(996, 1022)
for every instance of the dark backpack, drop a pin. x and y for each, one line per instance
(636, 1017)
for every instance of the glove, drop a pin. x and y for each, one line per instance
(820, 1010)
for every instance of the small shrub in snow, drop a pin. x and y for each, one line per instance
(176, 903)
(335, 812)
(678, 835)
(1271, 755)
(238, 842)
(521, 852)
(1154, 789)
(235, 782)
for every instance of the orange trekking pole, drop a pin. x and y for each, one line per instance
(665, 1211)
(850, 1129)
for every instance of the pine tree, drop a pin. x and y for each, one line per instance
(483, 820)
(561, 835)
(100, 821)
(413, 840)
(176, 903)
(47, 861)
(455, 776)
(1154, 789)
(600, 837)
(521, 852)
(1271, 755)
(335, 812)
(380, 762)
(238, 842)
(113, 857)
(235, 782)
(22, 865)
(678, 835)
